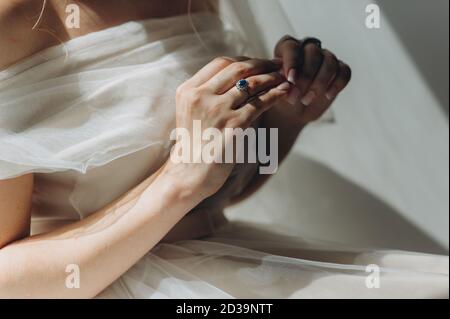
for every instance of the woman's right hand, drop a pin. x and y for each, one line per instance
(211, 97)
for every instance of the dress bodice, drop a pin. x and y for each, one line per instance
(92, 118)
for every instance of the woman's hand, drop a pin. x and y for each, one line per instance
(211, 97)
(317, 74)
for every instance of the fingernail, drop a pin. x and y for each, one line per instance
(285, 86)
(292, 76)
(332, 93)
(294, 97)
(308, 98)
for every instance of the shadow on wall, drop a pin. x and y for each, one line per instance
(423, 28)
(313, 201)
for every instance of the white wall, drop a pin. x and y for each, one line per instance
(423, 29)
(379, 175)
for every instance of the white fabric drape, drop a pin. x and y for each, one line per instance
(100, 120)
(107, 99)
(251, 261)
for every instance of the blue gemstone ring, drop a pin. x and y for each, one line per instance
(243, 86)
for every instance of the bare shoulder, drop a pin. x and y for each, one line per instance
(17, 39)
(11, 33)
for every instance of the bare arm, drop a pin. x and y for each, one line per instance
(281, 117)
(15, 202)
(111, 240)
(104, 245)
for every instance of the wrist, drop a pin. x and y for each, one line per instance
(289, 124)
(181, 185)
(285, 117)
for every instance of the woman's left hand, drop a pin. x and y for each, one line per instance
(317, 75)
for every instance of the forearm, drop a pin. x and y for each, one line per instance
(283, 118)
(103, 245)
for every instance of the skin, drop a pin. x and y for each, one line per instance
(111, 240)
(17, 18)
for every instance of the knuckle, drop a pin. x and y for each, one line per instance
(247, 120)
(180, 91)
(221, 123)
(234, 122)
(223, 104)
(330, 58)
(311, 68)
(277, 76)
(240, 58)
(214, 112)
(313, 50)
(330, 63)
(286, 38)
(309, 72)
(194, 97)
(290, 46)
(346, 72)
(270, 99)
(316, 61)
(275, 94)
(255, 82)
(223, 61)
(241, 68)
(260, 82)
(329, 55)
(280, 46)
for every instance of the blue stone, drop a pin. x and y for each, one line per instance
(243, 83)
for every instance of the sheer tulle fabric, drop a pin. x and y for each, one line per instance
(111, 96)
(248, 261)
(109, 107)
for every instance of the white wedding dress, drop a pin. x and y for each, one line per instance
(92, 119)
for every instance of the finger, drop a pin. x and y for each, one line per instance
(313, 59)
(324, 77)
(227, 78)
(211, 69)
(257, 85)
(343, 77)
(322, 103)
(289, 50)
(260, 104)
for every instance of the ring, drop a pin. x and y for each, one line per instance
(315, 41)
(243, 86)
